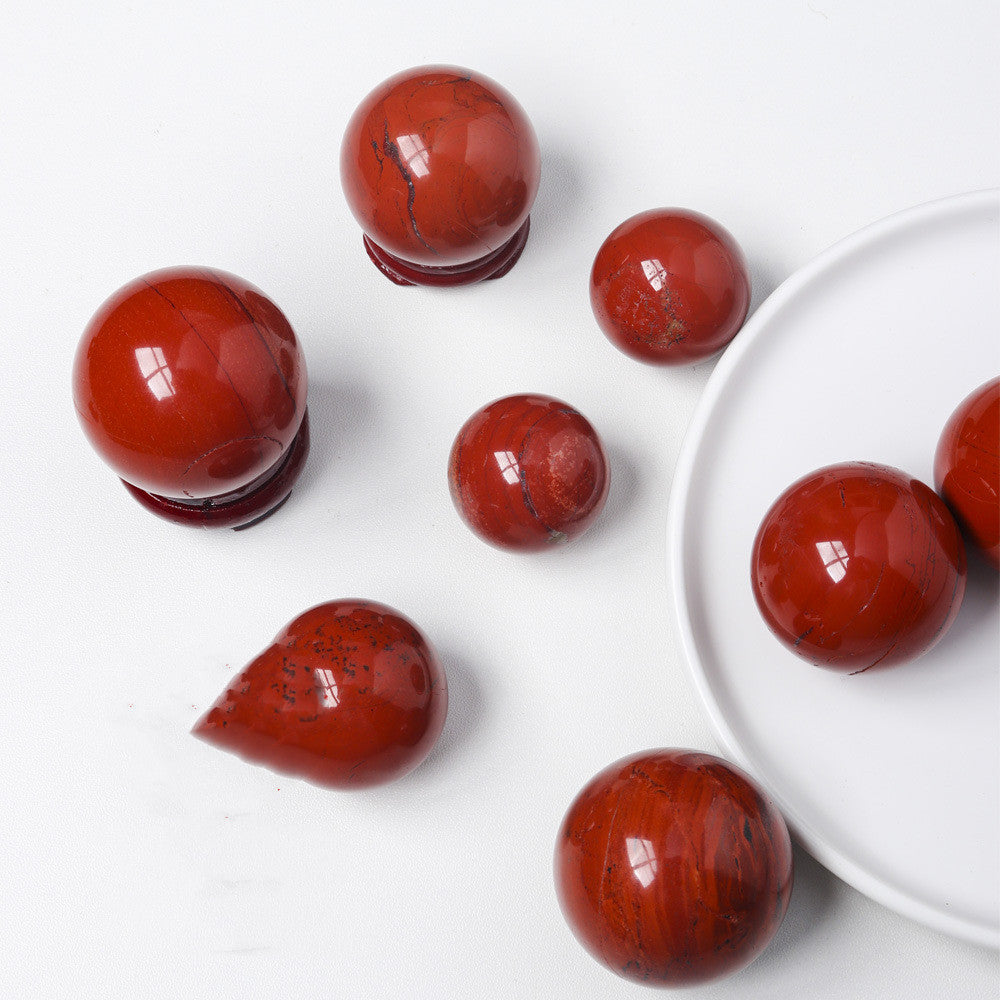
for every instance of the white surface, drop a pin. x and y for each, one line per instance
(863, 767)
(139, 862)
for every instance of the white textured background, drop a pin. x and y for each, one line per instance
(137, 862)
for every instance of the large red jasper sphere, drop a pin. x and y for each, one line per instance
(967, 468)
(670, 286)
(858, 564)
(191, 385)
(440, 167)
(672, 868)
(349, 694)
(527, 472)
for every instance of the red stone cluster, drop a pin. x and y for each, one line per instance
(672, 867)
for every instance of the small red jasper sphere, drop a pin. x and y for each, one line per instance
(670, 286)
(672, 868)
(440, 167)
(527, 472)
(967, 468)
(349, 694)
(191, 385)
(858, 564)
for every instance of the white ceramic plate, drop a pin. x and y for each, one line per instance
(889, 778)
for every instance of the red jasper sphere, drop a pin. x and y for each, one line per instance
(191, 385)
(440, 167)
(349, 694)
(672, 868)
(670, 286)
(858, 564)
(528, 471)
(967, 468)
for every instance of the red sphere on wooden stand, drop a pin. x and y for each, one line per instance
(191, 385)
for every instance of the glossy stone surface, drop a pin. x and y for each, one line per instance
(440, 167)
(858, 564)
(967, 468)
(191, 385)
(527, 472)
(670, 286)
(672, 868)
(349, 694)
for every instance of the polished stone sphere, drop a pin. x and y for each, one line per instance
(527, 472)
(191, 385)
(967, 468)
(858, 565)
(672, 868)
(670, 286)
(440, 167)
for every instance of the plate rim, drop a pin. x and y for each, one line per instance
(836, 861)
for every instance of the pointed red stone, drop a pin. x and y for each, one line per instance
(349, 694)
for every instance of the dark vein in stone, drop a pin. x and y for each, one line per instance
(249, 437)
(554, 534)
(857, 614)
(195, 331)
(260, 334)
(392, 151)
(802, 635)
